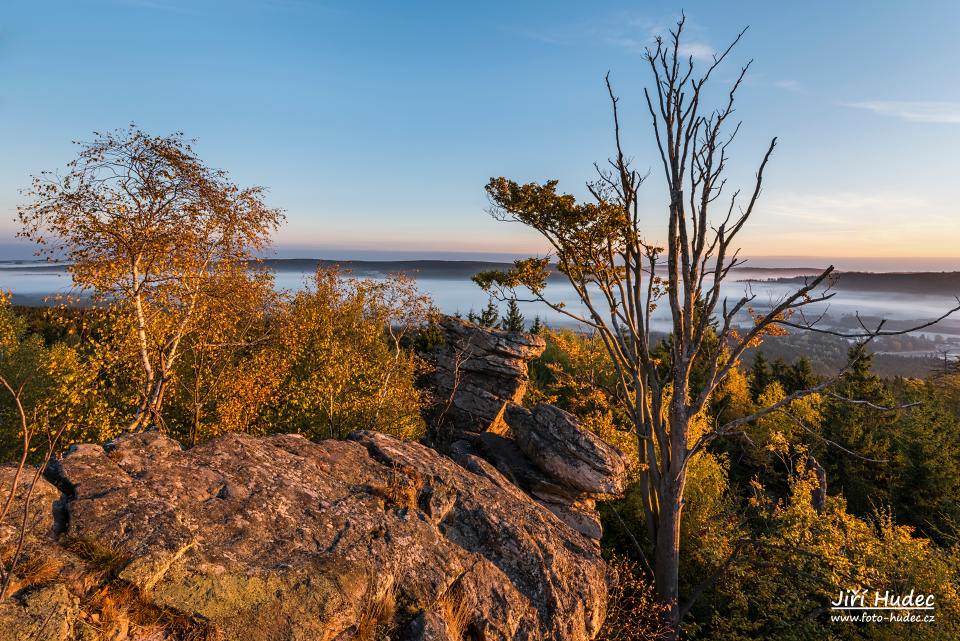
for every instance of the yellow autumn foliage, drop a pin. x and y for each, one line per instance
(344, 367)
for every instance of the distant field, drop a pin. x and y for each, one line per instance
(457, 269)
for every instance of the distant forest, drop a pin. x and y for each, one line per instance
(934, 283)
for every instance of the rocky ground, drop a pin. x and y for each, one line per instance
(493, 538)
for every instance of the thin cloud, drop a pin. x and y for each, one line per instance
(789, 85)
(844, 209)
(697, 50)
(632, 32)
(870, 222)
(630, 44)
(545, 37)
(913, 111)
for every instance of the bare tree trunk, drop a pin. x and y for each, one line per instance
(666, 562)
(669, 494)
(647, 489)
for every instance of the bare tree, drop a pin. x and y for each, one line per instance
(28, 432)
(620, 276)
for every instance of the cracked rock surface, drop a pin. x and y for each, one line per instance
(283, 538)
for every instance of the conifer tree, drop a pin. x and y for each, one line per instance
(865, 479)
(780, 370)
(490, 316)
(513, 321)
(800, 376)
(537, 327)
(759, 375)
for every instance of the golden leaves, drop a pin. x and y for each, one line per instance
(345, 367)
(531, 273)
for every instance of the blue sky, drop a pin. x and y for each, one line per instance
(375, 125)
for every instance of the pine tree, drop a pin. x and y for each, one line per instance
(537, 327)
(513, 321)
(490, 316)
(926, 488)
(780, 371)
(800, 376)
(759, 375)
(862, 429)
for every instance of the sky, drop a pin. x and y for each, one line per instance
(376, 125)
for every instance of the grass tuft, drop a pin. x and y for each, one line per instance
(401, 489)
(453, 608)
(375, 620)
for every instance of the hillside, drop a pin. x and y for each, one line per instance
(930, 283)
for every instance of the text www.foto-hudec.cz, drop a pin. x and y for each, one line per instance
(867, 606)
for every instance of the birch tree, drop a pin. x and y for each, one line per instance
(143, 223)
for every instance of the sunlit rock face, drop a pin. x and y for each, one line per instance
(282, 538)
(555, 443)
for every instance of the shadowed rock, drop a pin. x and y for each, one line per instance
(573, 506)
(36, 612)
(480, 378)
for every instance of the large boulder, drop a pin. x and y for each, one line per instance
(478, 371)
(578, 458)
(570, 487)
(282, 538)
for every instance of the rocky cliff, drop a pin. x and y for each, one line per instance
(278, 538)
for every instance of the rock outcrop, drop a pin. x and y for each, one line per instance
(555, 442)
(40, 610)
(481, 375)
(280, 538)
(247, 538)
(478, 371)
